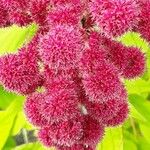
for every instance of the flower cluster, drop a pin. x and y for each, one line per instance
(76, 61)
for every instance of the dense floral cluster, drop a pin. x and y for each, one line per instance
(77, 62)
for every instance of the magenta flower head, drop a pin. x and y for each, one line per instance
(144, 24)
(59, 104)
(95, 40)
(15, 4)
(65, 14)
(136, 63)
(91, 59)
(61, 100)
(32, 110)
(75, 59)
(103, 84)
(19, 73)
(65, 133)
(61, 46)
(39, 10)
(104, 111)
(120, 117)
(17, 11)
(115, 17)
(93, 131)
(130, 61)
(20, 18)
(44, 137)
(4, 22)
(62, 2)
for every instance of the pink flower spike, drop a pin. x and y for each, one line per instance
(32, 110)
(115, 17)
(61, 47)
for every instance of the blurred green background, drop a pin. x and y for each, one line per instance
(134, 134)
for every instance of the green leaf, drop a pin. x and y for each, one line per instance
(135, 114)
(14, 37)
(141, 105)
(20, 123)
(143, 144)
(7, 119)
(113, 139)
(5, 98)
(9, 144)
(145, 130)
(137, 86)
(128, 144)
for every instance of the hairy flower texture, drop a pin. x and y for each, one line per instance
(4, 22)
(144, 24)
(19, 72)
(93, 131)
(53, 77)
(66, 14)
(103, 84)
(61, 102)
(129, 60)
(107, 110)
(136, 63)
(39, 10)
(31, 108)
(115, 17)
(15, 4)
(65, 133)
(44, 137)
(120, 117)
(91, 60)
(19, 17)
(62, 2)
(74, 57)
(95, 40)
(61, 46)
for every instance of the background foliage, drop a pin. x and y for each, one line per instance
(133, 134)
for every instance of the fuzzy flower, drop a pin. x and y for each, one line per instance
(20, 18)
(66, 14)
(15, 4)
(31, 108)
(130, 61)
(39, 10)
(61, 78)
(65, 133)
(61, 46)
(4, 22)
(44, 137)
(95, 40)
(144, 24)
(19, 72)
(120, 117)
(103, 84)
(115, 17)
(93, 131)
(62, 2)
(91, 59)
(60, 103)
(59, 81)
(104, 111)
(135, 63)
